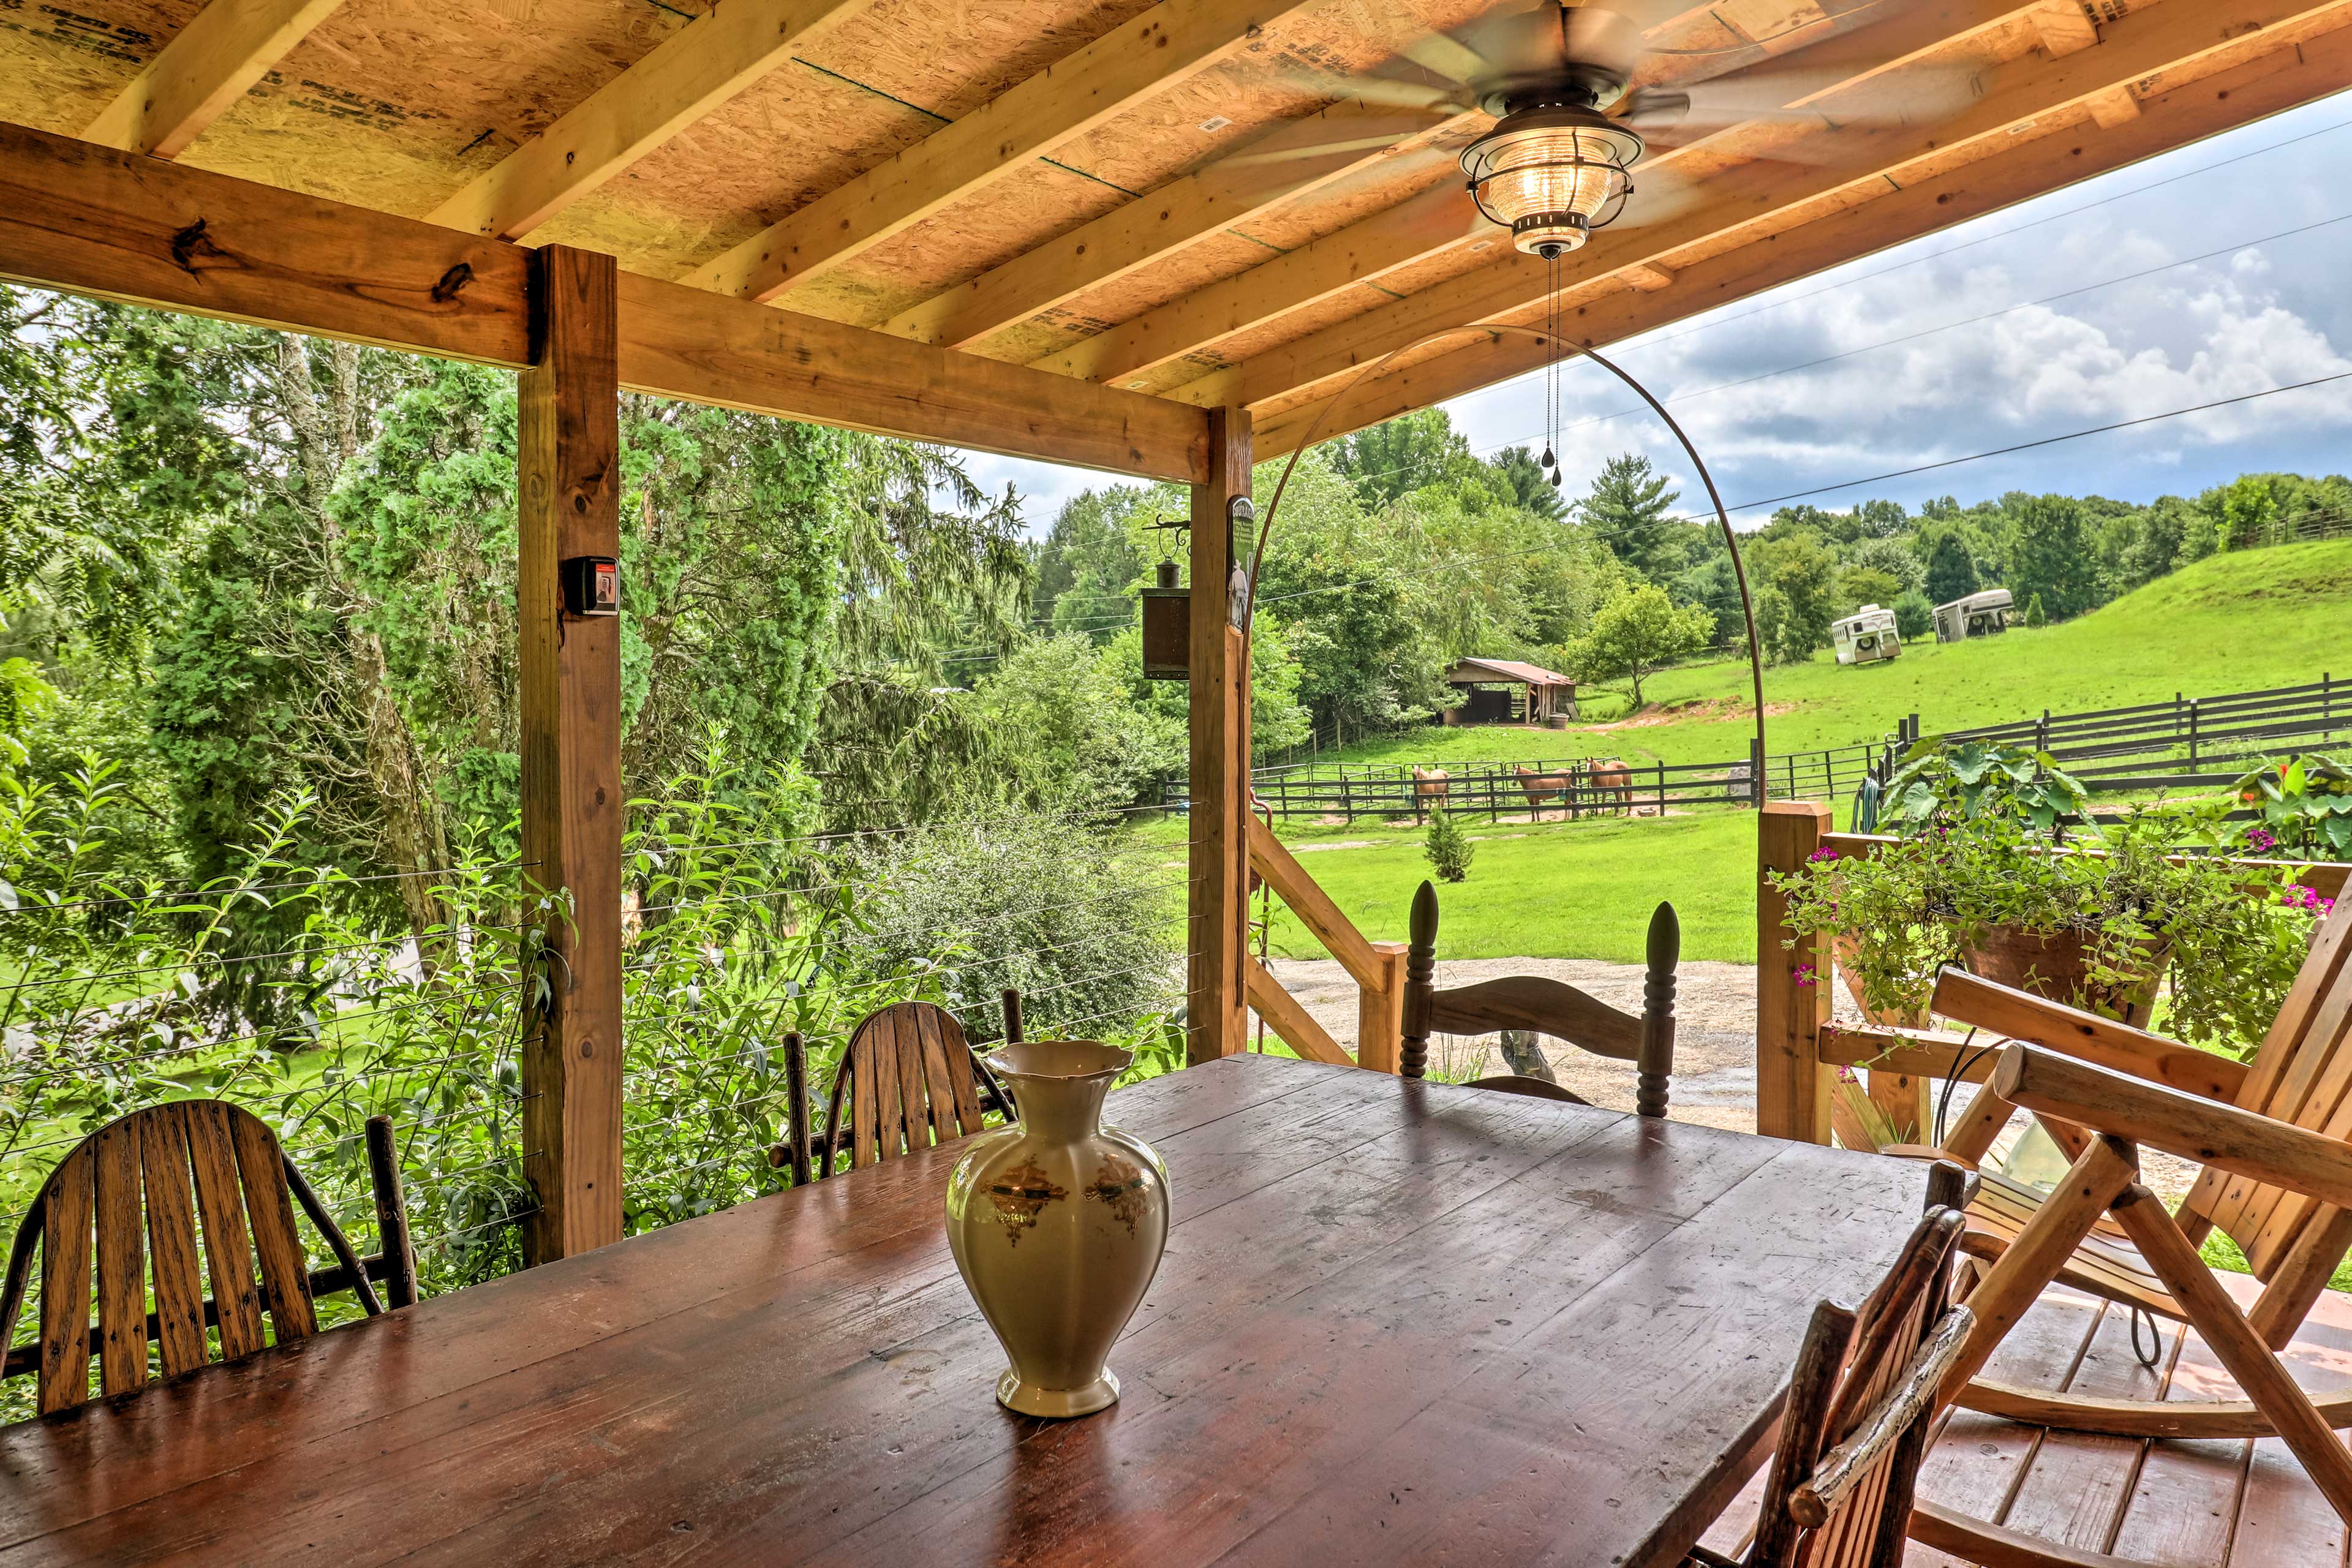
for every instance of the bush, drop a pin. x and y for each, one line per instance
(2035, 616)
(1448, 847)
(1913, 616)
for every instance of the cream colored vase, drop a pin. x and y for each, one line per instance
(1057, 1224)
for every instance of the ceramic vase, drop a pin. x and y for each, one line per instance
(1058, 1224)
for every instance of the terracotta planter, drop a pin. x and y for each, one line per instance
(1057, 1226)
(2054, 965)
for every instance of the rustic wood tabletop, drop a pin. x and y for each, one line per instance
(1398, 1321)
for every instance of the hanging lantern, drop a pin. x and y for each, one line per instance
(1552, 173)
(1167, 628)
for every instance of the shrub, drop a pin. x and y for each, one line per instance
(2035, 616)
(1913, 616)
(1448, 847)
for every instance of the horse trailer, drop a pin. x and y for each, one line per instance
(1866, 635)
(1977, 615)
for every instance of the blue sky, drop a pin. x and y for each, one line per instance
(2215, 271)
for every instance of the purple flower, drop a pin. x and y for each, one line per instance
(1824, 853)
(2260, 840)
(1804, 973)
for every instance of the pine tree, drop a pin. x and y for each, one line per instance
(1448, 847)
(2035, 616)
(1631, 509)
(1951, 575)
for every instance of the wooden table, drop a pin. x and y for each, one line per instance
(1397, 1323)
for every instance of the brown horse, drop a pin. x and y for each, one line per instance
(1428, 788)
(1610, 776)
(1541, 789)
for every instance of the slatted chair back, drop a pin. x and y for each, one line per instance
(194, 1202)
(2303, 1075)
(1546, 1006)
(1840, 1490)
(908, 1079)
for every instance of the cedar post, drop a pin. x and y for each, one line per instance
(1380, 1015)
(1219, 898)
(569, 506)
(1792, 1087)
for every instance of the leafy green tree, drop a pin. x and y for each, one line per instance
(1859, 585)
(1631, 507)
(1913, 616)
(1278, 722)
(1637, 633)
(2248, 510)
(1895, 557)
(2051, 555)
(1525, 483)
(1088, 560)
(1404, 454)
(1803, 576)
(1951, 572)
(1065, 733)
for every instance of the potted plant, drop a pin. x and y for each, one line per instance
(2093, 923)
(2306, 809)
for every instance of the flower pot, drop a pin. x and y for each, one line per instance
(2055, 964)
(1057, 1224)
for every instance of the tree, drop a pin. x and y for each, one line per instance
(1637, 633)
(1404, 454)
(2035, 616)
(1802, 577)
(1913, 616)
(1895, 557)
(1859, 585)
(1951, 572)
(2051, 555)
(1447, 848)
(1631, 507)
(1087, 561)
(1525, 483)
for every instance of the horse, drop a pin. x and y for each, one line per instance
(1428, 784)
(1542, 788)
(1610, 776)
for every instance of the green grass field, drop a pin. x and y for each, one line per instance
(2229, 623)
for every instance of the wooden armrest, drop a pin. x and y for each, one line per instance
(1844, 1466)
(2086, 1037)
(2241, 1141)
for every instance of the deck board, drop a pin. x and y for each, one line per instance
(2165, 1503)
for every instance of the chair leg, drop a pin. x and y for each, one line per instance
(2033, 1260)
(2242, 1351)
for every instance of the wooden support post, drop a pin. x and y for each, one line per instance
(1379, 1013)
(1219, 905)
(573, 805)
(1903, 1099)
(1792, 1087)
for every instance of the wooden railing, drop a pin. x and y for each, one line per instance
(1377, 967)
(1798, 1049)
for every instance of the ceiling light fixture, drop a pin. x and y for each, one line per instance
(1552, 173)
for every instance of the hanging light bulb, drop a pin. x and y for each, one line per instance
(1555, 478)
(1552, 173)
(1548, 460)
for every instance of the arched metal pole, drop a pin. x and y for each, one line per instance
(1730, 540)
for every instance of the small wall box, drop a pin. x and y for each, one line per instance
(592, 586)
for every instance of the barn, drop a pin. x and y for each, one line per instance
(1504, 691)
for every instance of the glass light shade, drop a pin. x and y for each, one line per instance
(1552, 175)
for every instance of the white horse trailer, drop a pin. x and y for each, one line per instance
(1981, 615)
(1866, 635)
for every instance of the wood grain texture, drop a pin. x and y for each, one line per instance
(2003, 1011)
(199, 76)
(1223, 829)
(270, 1210)
(1375, 1286)
(171, 1239)
(122, 1260)
(228, 1250)
(68, 1204)
(1792, 1087)
(1291, 1022)
(569, 505)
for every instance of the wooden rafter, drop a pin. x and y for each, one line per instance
(2259, 88)
(1440, 220)
(689, 75)
(1169, 44)
(1281, 166)
(91, 220)
(2028, 95)
(225, 48)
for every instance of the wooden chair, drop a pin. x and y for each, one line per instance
(139, 1167)
(908, 1079)
(2299, 1086)
(1867, 1390)
(1547, 1007)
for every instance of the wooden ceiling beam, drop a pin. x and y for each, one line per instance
(1441, 219)
(199, 76)
(96, 221)
(1170, 43)
(689, 75)
(1290, 161)
(2010, 99)
(2268, 85)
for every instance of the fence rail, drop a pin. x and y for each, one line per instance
(1565, 787)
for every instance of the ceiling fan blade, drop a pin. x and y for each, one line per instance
(1654, 108)
(1382, 89)
(1359, 146)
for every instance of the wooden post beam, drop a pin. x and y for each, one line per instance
(1147, 55)
(96, 221)
(1218, 907)
(689, 75)
(1793, 996)
(569, 506)
(199, 76)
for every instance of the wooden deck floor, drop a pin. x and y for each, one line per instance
(2232, 1504)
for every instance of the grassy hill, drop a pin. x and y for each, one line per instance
(2229, 623)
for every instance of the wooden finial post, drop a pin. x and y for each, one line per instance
(1420, 983)
(1657, 1065)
